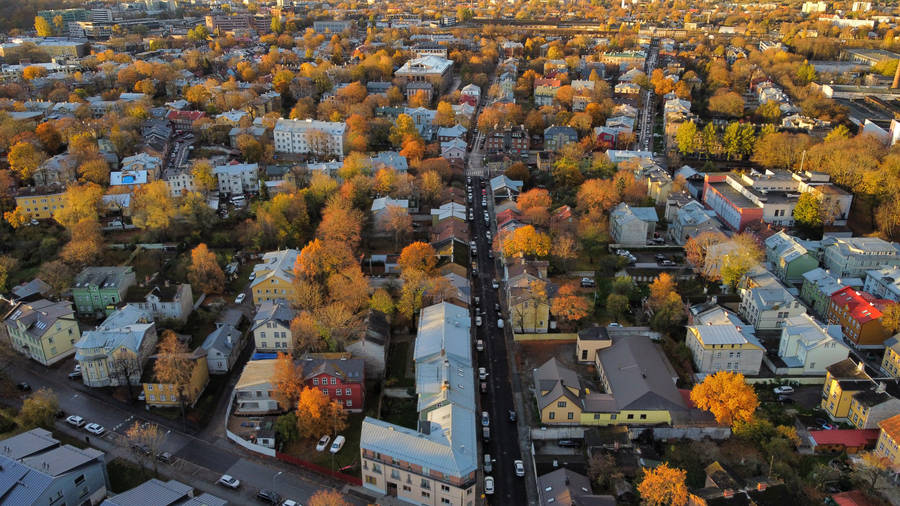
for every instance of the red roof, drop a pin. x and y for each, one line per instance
(851, 498)
(506, 215)
(850, 438)
(185, 115)
(857, 304)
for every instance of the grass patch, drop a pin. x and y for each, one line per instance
(396, 369)
(305, 449)
(124, 475)
(400, 412)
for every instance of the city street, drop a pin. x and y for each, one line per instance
(648, 111)
(504, 445)
(208, 456)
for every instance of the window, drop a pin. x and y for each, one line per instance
(631, 416)
(348, 403)
(445, 488)
(334, 381)
(316, 381)
(571, 415)
(426, 494)
(338, 392)
(407, 488)
(371, 480)
(262, 335)
(347, 391)
(552, 415)
(325, 391)
(613, 416)
(79, 480)
(561, 404)
(643, 417)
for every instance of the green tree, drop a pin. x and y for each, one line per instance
(686, 138)
(837, 133)
(286, 427)
(616, 305)
(808, 211)
(39, 409)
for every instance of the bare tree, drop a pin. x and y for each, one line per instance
(146, 439)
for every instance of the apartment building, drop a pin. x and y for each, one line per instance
(725, 347)
(320, 138)
(855, 256)
(42, 330)
(274, 277)
(859, 315)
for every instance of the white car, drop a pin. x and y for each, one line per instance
(290, 502)
(500, 323)
(783, 390)
(520, 468)
(489, 485)
(478, 321)
(229, 481)
(75, 420)
(323, 443)
(482, 373)
(485, 419)
(495, 285)
(240, 298)
(479, 345)
(338, 444)
(95, 429)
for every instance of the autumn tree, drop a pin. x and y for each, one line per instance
(666, 304)
(204, 272)
(808, 212)
(204, 179)
(686, 137)
(175, 366)
(341, 223)
(24, 158)
(153, 207)
(727, 396)
(746, 254)
(535, 206)
(890, 318)
(568, 304)
(327, 497)
(398, 223)
(526, 241)
(80, 202)
(146, 441)
(869, 467)
(317, 414)
(49, 136)
(42, 27)
(418, 256)
(39, 409)
(95, 170)
(85, 245)
(664, 486)
(382, 301)
(287, 380)
(726, 103)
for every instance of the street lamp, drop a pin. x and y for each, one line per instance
(276, 475)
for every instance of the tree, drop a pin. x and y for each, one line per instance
(659, 289)
(746, 254)
(57, 274)
(696, 250)
(445, 116)
(7, 265)
(398, 223)
(317, 414)
(39, 409)
(42, 27)
(152, 206)
(808, 211)
(80, 202)
(726, 103)
(381, 300)
(526, 241)
(418, 256)
(869, 467)
(568, 304)
(95, 170)
(727, 396)
(287, 380)
(616, 305)
(430, 186)
(890, 318)
(341, 223)
(205, 273)
(664, 486)
(535, 206)
(327, 497)
(686, 137)
(146, 441)
(286, 427)
(17, 217)
(204, 179)
(174, 366)
(24, 158)
(49, 136)
(86, 244)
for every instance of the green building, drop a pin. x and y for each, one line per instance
(98, 289)
(68, 15)
(790, 257)
(817, 289)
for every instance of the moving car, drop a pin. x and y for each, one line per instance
(240, 298)
(520, 468)
(323, 443)
(783, 390)
(489, 485)
(229, 481)
(338, 444)
(95, 429)
(75, 420)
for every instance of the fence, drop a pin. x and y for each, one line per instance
(557, 433)
(566, 337)
(290, 459)
(692, 433)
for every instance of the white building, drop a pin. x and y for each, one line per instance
(808, 347)
(320, 138)
(272, 327)
(854, 256)
(632, 225)
(768, 304)
(725, 347)
(237, 178)
(884, 283)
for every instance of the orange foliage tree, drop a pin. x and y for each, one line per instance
(526, 241)
(317, 414)
(568, 304)
(288, 381)
(664, 486)
(727, 396)
(205, 272)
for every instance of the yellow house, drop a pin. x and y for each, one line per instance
(558, 393)
(42, 330)
(274, 277)
(165, 395)
(888, 441)
(40, 207)
(890, 363)
(842, 380)
(527, 294)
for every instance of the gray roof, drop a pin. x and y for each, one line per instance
(562, 486)
(126, 327)
(351, 370)
(31, 288)
(647, 214)
(271, 311)
(447, 445)
(444, 330)
(61, 460)
(639, 375)
(158, 493)
(18, 484)
(102, 277)
(442, 381)
(719, 334)
(39, 316)
(222, 339)
(557, 381)
(27, 443)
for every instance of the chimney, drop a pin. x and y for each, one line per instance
(761, 486)
(896, 83)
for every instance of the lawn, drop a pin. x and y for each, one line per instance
(398, 359)
(305, 449)
(400, 411)
(124, 475)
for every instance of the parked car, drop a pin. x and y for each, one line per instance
(240, 298)
(290, 502)
(488, 464)
(323, 443)
(483, 387)
(587, 283)
(494, 284)
(269, 496)
(500, 323)
(74, 375)
(497, 307)
(229, 481)
(141, 448)
(482, 373)
(783, 390)
(785, 399)
(489, 485)
(479, 345)
(75, 420)
(95, 429)
(478, 321)
(25, 387)
(338, 444)
(512, 416)
(660, 257)
(142, 396)
(164, 457)
(485, 419)
(520, 468)
(568, 443)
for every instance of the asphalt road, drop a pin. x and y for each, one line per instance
(498, 402)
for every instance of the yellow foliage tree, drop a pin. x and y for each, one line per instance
(317, 414)
(727, 396)
(664, 486)
(153, 207)
(526, 241)
(80, 202)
